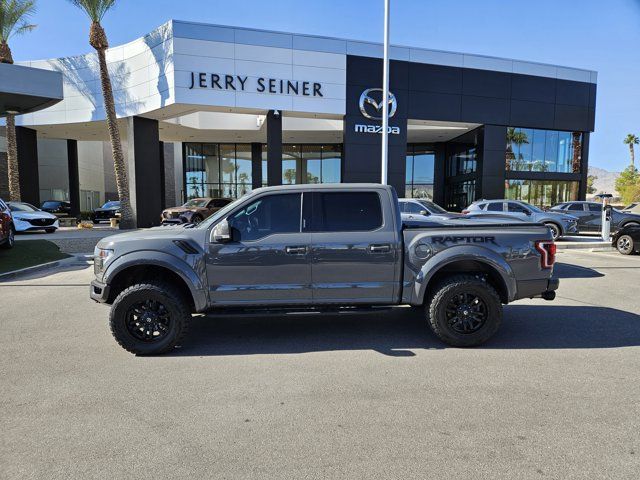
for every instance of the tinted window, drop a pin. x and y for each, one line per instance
(494, 207)
(482, 205)
(349, 211)
(267, 216)
(595, 207)
(413, 208)
(576, 207)
(219, 202)
(515, 207)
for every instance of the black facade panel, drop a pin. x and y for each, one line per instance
(435, 78)
(571, 117)
(274, 148)
(367, 72)
(486, 83)
(485, 110)
(256, 165)
(27, 146)
(533, 89)
(149, 184)
(531, 114)
(573, 93)
(74, 176)
(495, 137)
(434, 106)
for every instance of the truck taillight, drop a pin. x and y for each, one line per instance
(547, 251)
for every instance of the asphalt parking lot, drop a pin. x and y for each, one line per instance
(554, 395)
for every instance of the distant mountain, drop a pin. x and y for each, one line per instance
(605, 181)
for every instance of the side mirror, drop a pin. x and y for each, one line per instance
(424, 212)
(221, 233)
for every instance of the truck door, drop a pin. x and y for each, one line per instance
(268, 259)
(354, 248)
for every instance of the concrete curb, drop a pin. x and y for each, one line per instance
(46, 266)
(593, 246)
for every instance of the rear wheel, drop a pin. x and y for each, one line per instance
(464, 311)
(149, 318)
(625, 245)
(555, 230)
(11, 239)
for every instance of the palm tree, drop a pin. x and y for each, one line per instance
(631, 140)
(14, 15)
(514, 138)
(96, 9)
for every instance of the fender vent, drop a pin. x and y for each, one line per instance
(186, 247)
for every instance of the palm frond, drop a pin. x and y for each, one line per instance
(95, 9)
(14, 16)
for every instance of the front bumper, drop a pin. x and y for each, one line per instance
(28, 226)
(99, 291)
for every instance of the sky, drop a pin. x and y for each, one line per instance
(601, 35)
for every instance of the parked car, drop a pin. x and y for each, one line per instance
(416, 209)
(559, 223)
(58, 207)
(27, 218)
(105, 213)
(627, 239)
(194, 211)
(633, 208)
(589, 215)
(7, 229)
(315, 247)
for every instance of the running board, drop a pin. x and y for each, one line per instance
(266, 311)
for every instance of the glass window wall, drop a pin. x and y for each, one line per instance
(542, 193)
(419, 172)
(311, 164)
(531, 150)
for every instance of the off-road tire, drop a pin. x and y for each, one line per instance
(172, 299)
(11, 239)
(445, 291)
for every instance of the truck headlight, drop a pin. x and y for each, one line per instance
(100, 258)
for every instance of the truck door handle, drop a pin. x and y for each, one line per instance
(296, 250)
(380, 248)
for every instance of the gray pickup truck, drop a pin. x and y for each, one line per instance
(319, 247)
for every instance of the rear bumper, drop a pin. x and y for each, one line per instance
(99, 291)
(544, 288)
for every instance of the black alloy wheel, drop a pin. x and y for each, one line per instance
(148, 320)
(555, 230)
(466, 313)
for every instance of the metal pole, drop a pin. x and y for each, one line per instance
(385, 96)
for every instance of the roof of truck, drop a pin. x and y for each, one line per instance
(324, 186)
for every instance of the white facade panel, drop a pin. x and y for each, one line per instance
(203, 48)
(319, 59)
(264, 54)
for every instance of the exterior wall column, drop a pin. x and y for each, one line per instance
(274, 148)
(256, 165)
(584, 167)
(74, 176)
(492, 166)
(145, 170)
(27, 142)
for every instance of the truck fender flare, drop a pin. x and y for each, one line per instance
(160, 259)
(464, 253)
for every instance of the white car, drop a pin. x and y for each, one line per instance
(27, 218)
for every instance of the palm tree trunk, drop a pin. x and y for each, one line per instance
(122, 181)
(12, 159)
(633, 155)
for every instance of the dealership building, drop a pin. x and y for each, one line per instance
(209, 110)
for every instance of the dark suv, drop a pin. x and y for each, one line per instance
(589, 216)
(7, 229)
(58, 207)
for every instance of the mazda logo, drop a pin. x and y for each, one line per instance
(376, 105)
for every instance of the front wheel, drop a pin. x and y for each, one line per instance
(464, 311)
(555, 230)
(149, 319)
(625, 245)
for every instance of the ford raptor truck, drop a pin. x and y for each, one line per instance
(319, 247)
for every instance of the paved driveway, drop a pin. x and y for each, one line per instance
(555, 395)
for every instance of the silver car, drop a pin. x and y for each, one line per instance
(560, 224)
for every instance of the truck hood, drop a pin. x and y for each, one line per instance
(170, 232)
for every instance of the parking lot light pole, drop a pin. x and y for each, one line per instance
(385, 96)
